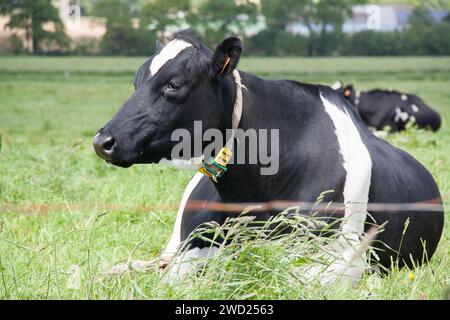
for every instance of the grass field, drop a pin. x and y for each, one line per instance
(66, 217)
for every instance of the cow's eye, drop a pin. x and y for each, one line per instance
(173, 86)
(173, 90)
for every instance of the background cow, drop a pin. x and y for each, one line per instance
(382, 108)
(323, 144)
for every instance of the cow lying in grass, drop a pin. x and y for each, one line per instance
(387, 108)
(323, 144)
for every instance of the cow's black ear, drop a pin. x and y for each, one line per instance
(158, 45)
(226, 56)
(348, 90)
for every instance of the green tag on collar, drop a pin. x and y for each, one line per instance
(215, 168)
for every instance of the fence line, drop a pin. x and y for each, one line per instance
(35, 208)
(433, 205)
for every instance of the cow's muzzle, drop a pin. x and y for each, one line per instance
(104, 145)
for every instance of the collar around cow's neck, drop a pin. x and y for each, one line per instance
(215, 168)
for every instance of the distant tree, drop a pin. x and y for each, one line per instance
(120, 36)
(323, 19)
(280, 13)
(163, 13)
(216, 19)
(424, 35)
(373, 43)
(115, 11)
(31, 15)
(420, 17)
(213, 19)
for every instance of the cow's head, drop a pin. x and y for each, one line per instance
(348, 92)
(181, 83)
(424, 115)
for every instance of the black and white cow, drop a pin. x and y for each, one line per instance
(389, 108)
(323, 144)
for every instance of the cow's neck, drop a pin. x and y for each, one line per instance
(261, 110)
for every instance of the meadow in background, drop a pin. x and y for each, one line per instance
(66, 216)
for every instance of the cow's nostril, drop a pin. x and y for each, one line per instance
(109, 144)
(104, 146)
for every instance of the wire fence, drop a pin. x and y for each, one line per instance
(433, 205)
(192, 206)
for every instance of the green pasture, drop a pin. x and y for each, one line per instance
(66, 217)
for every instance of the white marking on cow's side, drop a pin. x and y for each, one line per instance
(175, 239)
(358, 167)
(184, 262)
(400, 115)
(170, 51)
(357, 160)
(415, 108)
(404, 97)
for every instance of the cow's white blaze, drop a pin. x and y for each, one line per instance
(358, 167)
(175, 239)
(170, 51)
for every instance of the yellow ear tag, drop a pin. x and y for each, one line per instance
(225, 65)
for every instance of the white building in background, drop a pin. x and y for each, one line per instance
(77, 26)
(381, 18)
